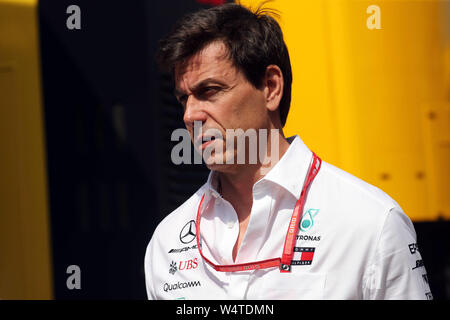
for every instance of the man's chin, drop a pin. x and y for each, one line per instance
(214, 164)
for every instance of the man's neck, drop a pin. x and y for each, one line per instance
(237, 186)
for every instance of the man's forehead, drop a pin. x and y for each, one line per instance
(206, 60)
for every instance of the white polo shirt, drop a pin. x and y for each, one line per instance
(353, 242)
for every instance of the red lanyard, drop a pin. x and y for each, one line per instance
(284, 263)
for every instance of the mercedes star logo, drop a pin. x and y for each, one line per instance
(187, 234)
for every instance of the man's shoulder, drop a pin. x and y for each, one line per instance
(366, 211)
(353, 187)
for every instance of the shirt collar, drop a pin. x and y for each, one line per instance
(289, 172)
(212, 184)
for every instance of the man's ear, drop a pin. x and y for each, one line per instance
(273, 86)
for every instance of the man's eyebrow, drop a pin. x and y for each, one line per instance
(205, 82)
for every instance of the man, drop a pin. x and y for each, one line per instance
(287, 226)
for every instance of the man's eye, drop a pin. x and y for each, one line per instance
(211, 89)
(208, 91)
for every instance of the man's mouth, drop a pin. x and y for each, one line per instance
(205, 141)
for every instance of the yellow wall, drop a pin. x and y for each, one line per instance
(375, 102)
(25, 266)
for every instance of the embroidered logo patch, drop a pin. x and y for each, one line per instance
(307, 221)
(303, 256)
(173, 267)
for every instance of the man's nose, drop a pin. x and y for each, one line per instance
(193, 111)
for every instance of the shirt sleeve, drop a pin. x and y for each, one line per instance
(397, 270)
(147, 269)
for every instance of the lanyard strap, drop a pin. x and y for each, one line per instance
(284, 263)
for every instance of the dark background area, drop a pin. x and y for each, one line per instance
(109, 114)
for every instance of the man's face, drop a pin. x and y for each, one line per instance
(216, 94)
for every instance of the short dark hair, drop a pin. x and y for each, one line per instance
(254, 41)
